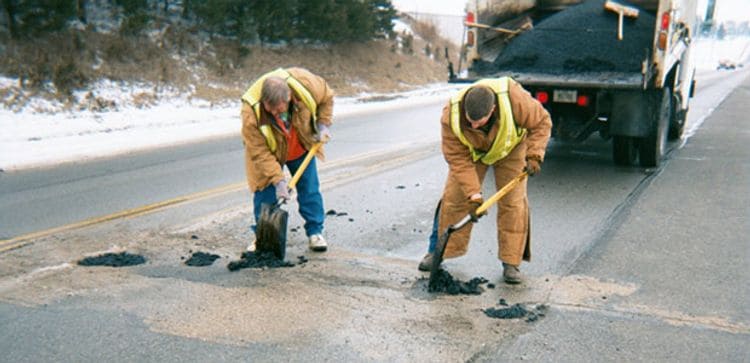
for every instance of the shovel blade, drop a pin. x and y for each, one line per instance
(437, 256)
(271, 230)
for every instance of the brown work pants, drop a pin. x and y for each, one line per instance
(513, 237)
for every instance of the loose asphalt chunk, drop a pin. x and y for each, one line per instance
(202, 259)
(266, 259)
(113, 260)
(517, 311)
(447, 284)
(334, 213)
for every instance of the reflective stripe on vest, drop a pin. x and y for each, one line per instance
(508, 135)
(252, 97)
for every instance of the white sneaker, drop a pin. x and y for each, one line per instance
(318, 243)
(251, 246)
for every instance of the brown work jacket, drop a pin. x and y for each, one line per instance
(264, 167)
(528, 113)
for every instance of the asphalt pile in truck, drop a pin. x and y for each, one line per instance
(581, 38)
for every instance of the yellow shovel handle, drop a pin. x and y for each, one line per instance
(310, 154)
(500, 193)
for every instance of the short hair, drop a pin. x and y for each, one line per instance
(274, 91)
(478, 102)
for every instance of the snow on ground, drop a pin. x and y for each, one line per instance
(41, 133)
(30, 138)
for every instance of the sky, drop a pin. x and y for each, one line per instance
(444, 7)
(735, 10)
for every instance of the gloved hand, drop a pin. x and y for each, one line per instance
(474, 203)
(324, 133)
(533, 166)
(282, 190)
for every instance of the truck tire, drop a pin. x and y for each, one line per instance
(652, 147)
(624, 150)
(677, 121)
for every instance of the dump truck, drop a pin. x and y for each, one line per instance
(620, 69)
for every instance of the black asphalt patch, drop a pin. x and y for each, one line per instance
(113, 260)
(202, 259)
(447, 284)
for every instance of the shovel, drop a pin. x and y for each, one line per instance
(271, 230)
(621, 11)
(437, 257)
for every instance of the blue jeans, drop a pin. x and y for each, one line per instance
(308, 197)
(434, 235)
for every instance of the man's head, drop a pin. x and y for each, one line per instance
(275, 95)
(479, 104)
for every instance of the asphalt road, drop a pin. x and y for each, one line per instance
(50, 197)
(633, 264)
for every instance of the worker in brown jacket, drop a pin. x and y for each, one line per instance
(283, 114)
(492, 123)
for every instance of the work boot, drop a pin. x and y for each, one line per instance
(318, 243)
(251, 246)
(511, 274)
(426, 263)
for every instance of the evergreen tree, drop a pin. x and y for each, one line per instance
(31, 18)
(384, 13)
(276, 19)
(137, 16)
(226, 17)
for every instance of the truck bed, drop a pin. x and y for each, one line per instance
(576, 47)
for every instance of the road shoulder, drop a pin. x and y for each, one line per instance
(680, 259)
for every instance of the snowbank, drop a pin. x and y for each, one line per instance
(43, 133)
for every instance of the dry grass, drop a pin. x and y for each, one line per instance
(217, 72)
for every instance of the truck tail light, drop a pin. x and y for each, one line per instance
(582, 100)
(665, 21)
(469, 17)
(662, 41)
(542, 97)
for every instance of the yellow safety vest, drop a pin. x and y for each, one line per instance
(508, 135)
(252, 97)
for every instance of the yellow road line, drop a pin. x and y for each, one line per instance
(20, 241)
(23, 240)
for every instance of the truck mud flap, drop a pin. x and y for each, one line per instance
(630, 114)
